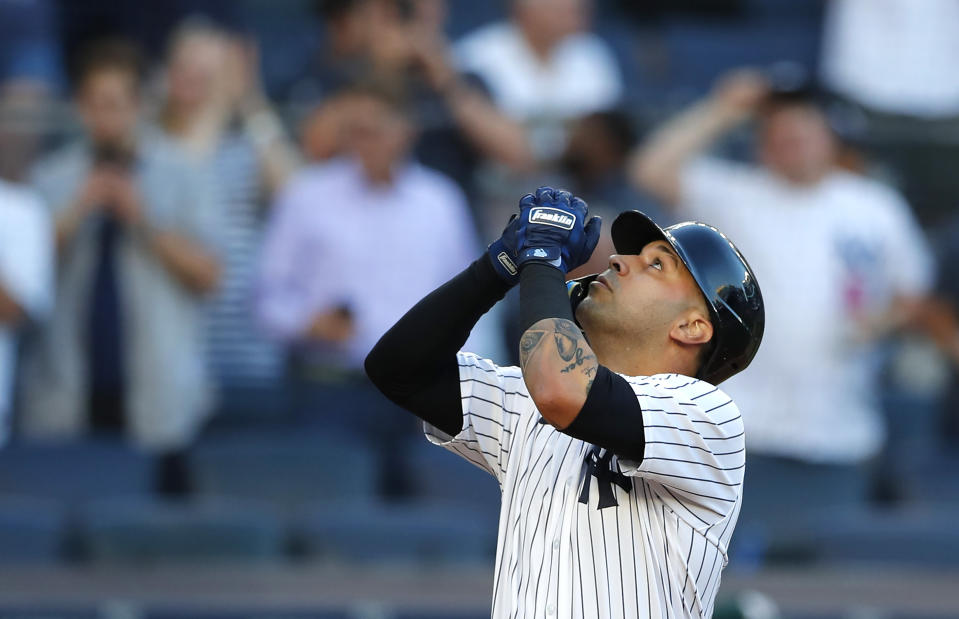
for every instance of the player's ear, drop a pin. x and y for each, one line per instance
(692, 327)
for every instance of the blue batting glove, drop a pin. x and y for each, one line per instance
(503, 255)
(551, 230)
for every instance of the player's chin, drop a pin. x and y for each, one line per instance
(598, 295)
(587, 309)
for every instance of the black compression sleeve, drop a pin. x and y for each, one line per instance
(414, 363)
(611, 417)
(542, 294)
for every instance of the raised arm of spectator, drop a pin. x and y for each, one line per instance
(243, 91)
(10, 311)
(939, 314)
(657, 164)
(275, 150)
(939, 319)
(490, 131)
(193, 266)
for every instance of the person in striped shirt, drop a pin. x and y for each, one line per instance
(619, 459)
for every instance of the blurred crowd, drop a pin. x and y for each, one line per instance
(208, 217)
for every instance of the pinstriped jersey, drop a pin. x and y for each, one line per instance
(584, 534)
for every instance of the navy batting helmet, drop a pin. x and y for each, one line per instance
(725, 278)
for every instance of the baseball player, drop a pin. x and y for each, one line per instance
(620, 460)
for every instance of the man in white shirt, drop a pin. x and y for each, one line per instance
(544, 48)
(842, 262)
(894, 63)
(26, 279)
(895, 56)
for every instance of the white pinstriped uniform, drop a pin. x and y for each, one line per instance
(658, 552)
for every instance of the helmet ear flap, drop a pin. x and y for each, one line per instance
(578, 289)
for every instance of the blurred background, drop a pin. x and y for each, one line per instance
(211, 209)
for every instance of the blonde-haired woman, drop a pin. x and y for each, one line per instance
(216, 110)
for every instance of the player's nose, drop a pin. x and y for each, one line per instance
(618, 264)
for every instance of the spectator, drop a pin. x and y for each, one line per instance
(26, 279)
(402, 43)
(895, 64)
(543, 68)
(897, 58)
(135, 228)
(349, 233)
(217, 111)
(841, 261)
(344, 57)
(593, 166)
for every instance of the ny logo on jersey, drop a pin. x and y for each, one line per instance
(602, 468)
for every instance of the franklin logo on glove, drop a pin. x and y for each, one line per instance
(552, 217)
(508, 264)
(551, 228)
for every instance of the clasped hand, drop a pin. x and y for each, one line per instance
(551, 228)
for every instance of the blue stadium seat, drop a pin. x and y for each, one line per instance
(35, 611)
(285, 469)
(940, 481)
(148, 530)
(808, 11)
(465, 17)
(74, 471)
(700, 52)
(400, 533)
(31, 530)
(918, 536)
(193, 613)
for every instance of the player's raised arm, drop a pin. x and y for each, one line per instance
(570, 386)
(558, 365)
(414, 363)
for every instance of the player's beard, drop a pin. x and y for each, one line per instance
(606, 323)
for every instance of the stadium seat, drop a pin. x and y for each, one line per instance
(192, 613)
(917, 536)
(31, 530)
(400, 533)
(285, 469)
(940, 483)
(148, 530)
(74, 471)
(702, 51)
(34, 611)
(465, 17)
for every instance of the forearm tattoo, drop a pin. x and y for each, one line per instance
(528, 344)
(570, 348)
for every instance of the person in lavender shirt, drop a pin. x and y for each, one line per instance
(338, 267)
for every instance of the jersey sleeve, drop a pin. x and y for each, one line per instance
(695, 445)
(494, 402)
